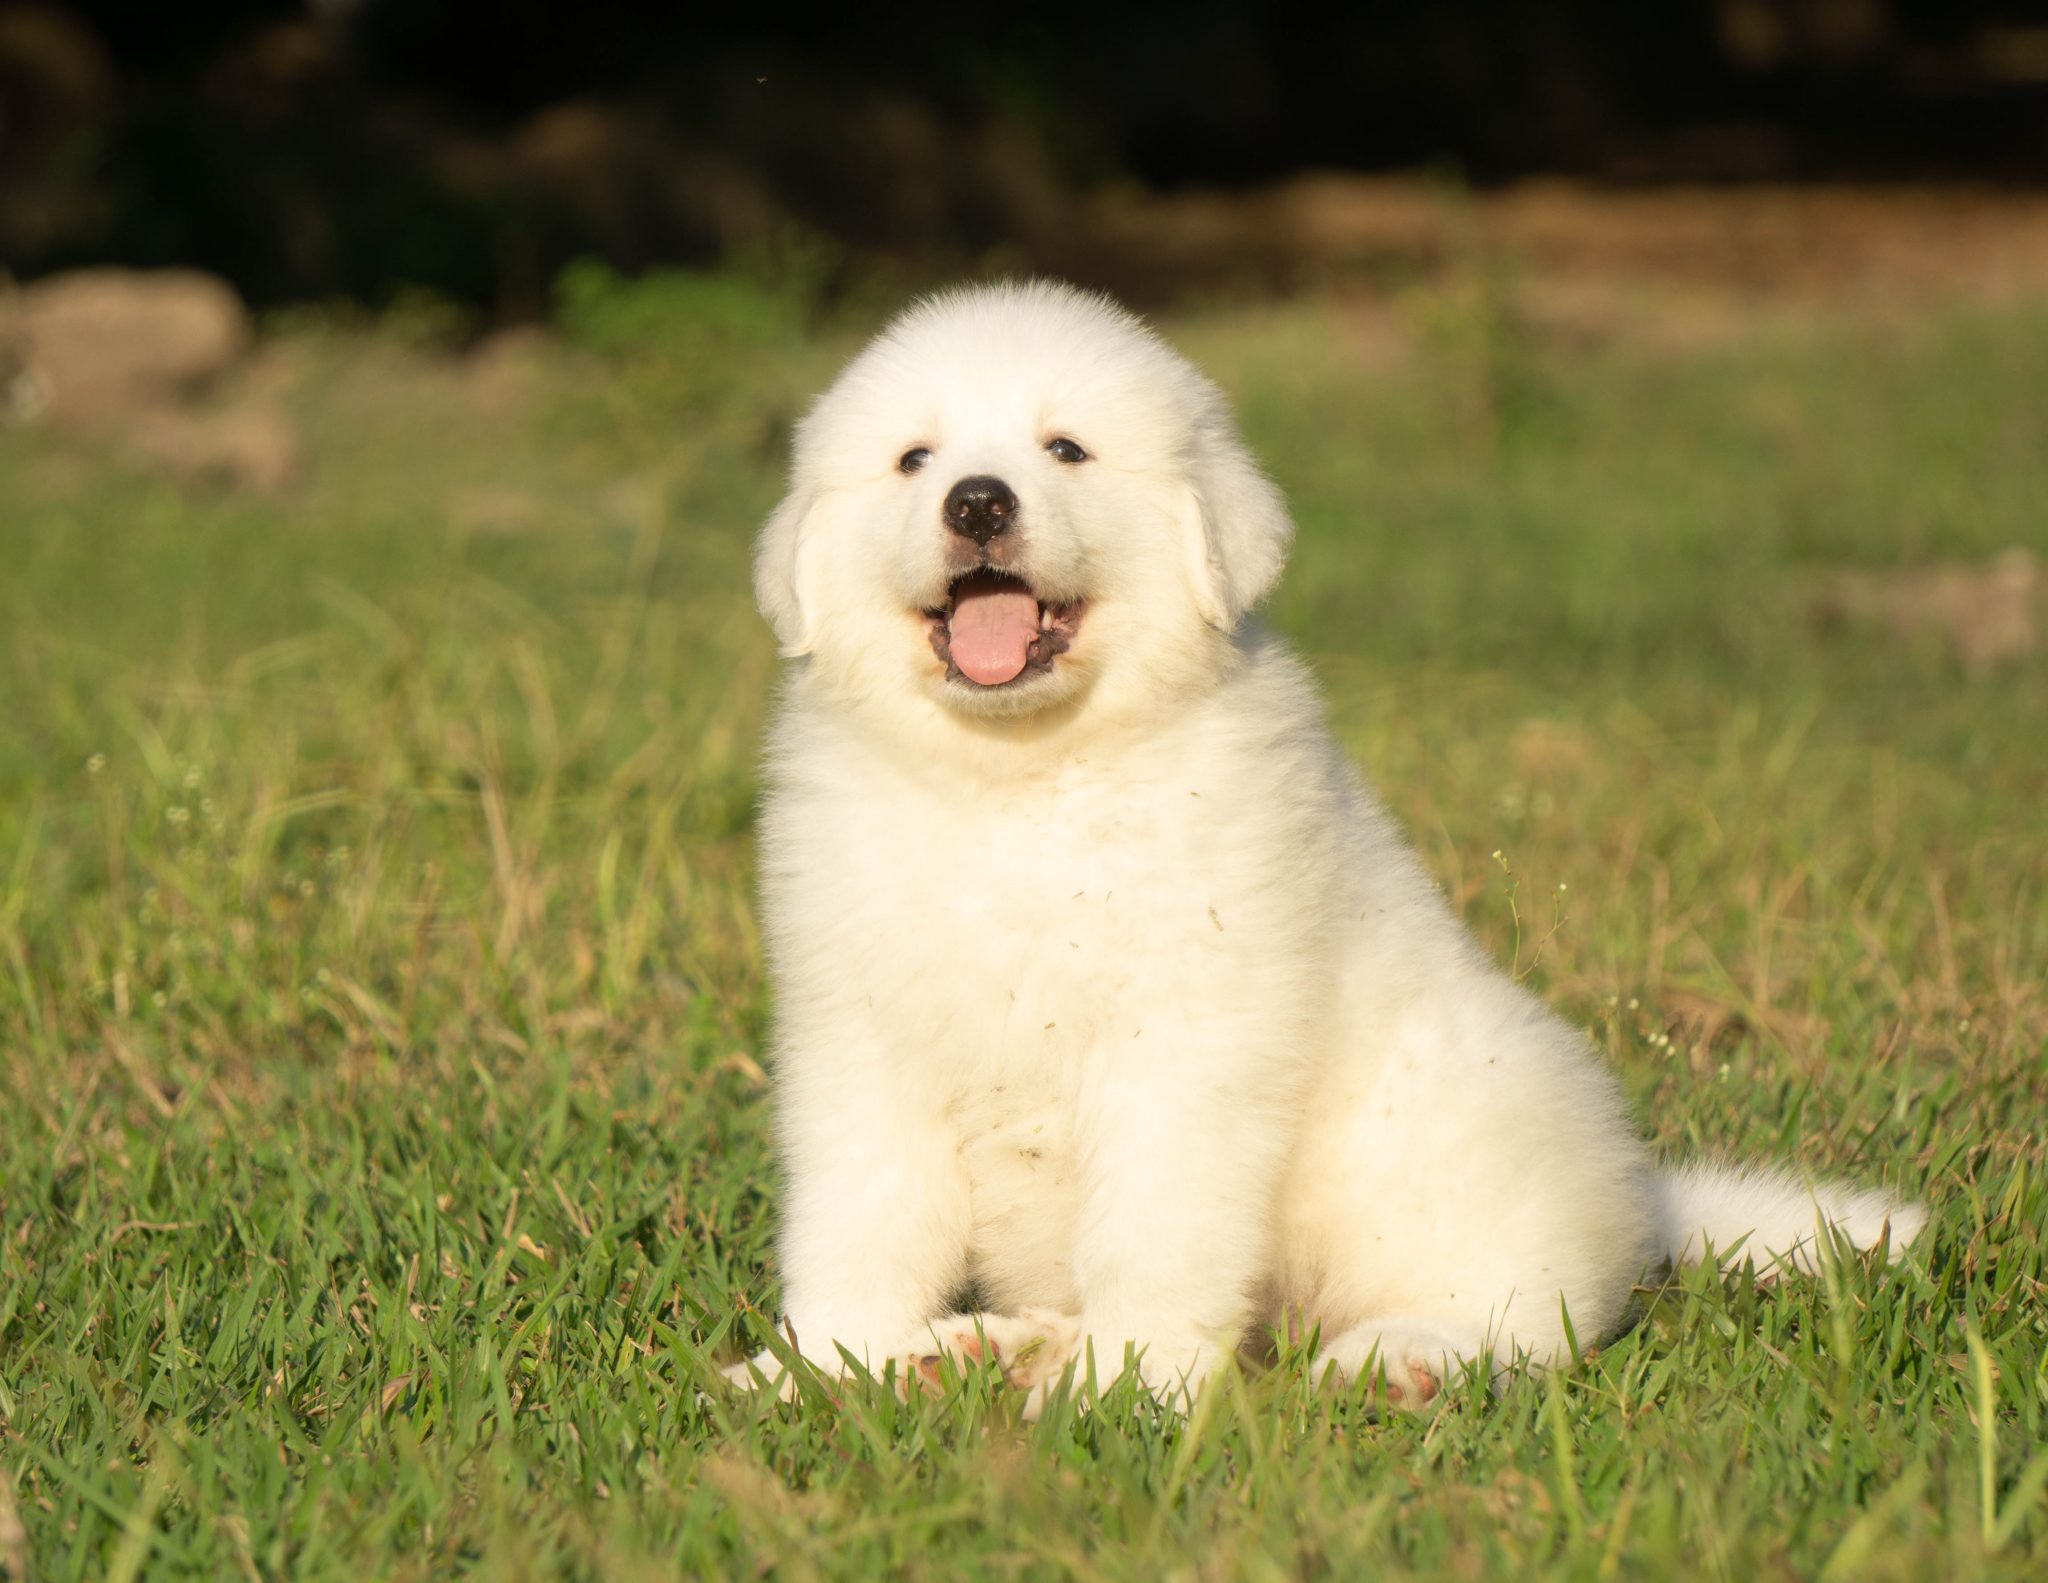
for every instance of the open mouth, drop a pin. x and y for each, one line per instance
(993, 631)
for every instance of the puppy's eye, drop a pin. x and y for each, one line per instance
(913, 459)
(1065, 450)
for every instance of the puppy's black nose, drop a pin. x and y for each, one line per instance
(980, 508)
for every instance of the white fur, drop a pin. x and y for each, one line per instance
(1115, 994)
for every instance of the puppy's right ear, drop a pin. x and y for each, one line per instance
(778, 572)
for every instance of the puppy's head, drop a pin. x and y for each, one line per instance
(1016, 499)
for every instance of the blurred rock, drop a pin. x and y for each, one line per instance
(1583, 248)
(509, 369)
(155, 363)
(101, 344)
(1987, 615)
(246, 448)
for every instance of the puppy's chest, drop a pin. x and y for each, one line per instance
(1008, 937)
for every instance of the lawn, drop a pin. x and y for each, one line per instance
(383, 1121)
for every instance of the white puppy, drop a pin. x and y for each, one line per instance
(1104, 989)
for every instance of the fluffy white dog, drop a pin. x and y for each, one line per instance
(1104, 989)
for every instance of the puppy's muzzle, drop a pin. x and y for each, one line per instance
(980, 508)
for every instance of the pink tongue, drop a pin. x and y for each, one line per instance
(991, 633)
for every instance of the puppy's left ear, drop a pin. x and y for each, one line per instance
(778, 571)
(1240, 529)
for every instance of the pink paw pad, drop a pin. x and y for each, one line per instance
(1421, 1386)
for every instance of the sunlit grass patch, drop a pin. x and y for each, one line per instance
(384, 1166)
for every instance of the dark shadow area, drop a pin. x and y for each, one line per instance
(355, 148)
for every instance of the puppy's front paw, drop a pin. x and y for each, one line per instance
(1168, 1364)
(1030, 1347)
(764, 1371)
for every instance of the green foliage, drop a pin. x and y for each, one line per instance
(765, 304)
(383, 1143)
(730, 348)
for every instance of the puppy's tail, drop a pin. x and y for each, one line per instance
(1775, 1218)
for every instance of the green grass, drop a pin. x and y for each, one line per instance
(383, 1156)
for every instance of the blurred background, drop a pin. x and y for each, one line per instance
(708, 209)
(359, 148)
